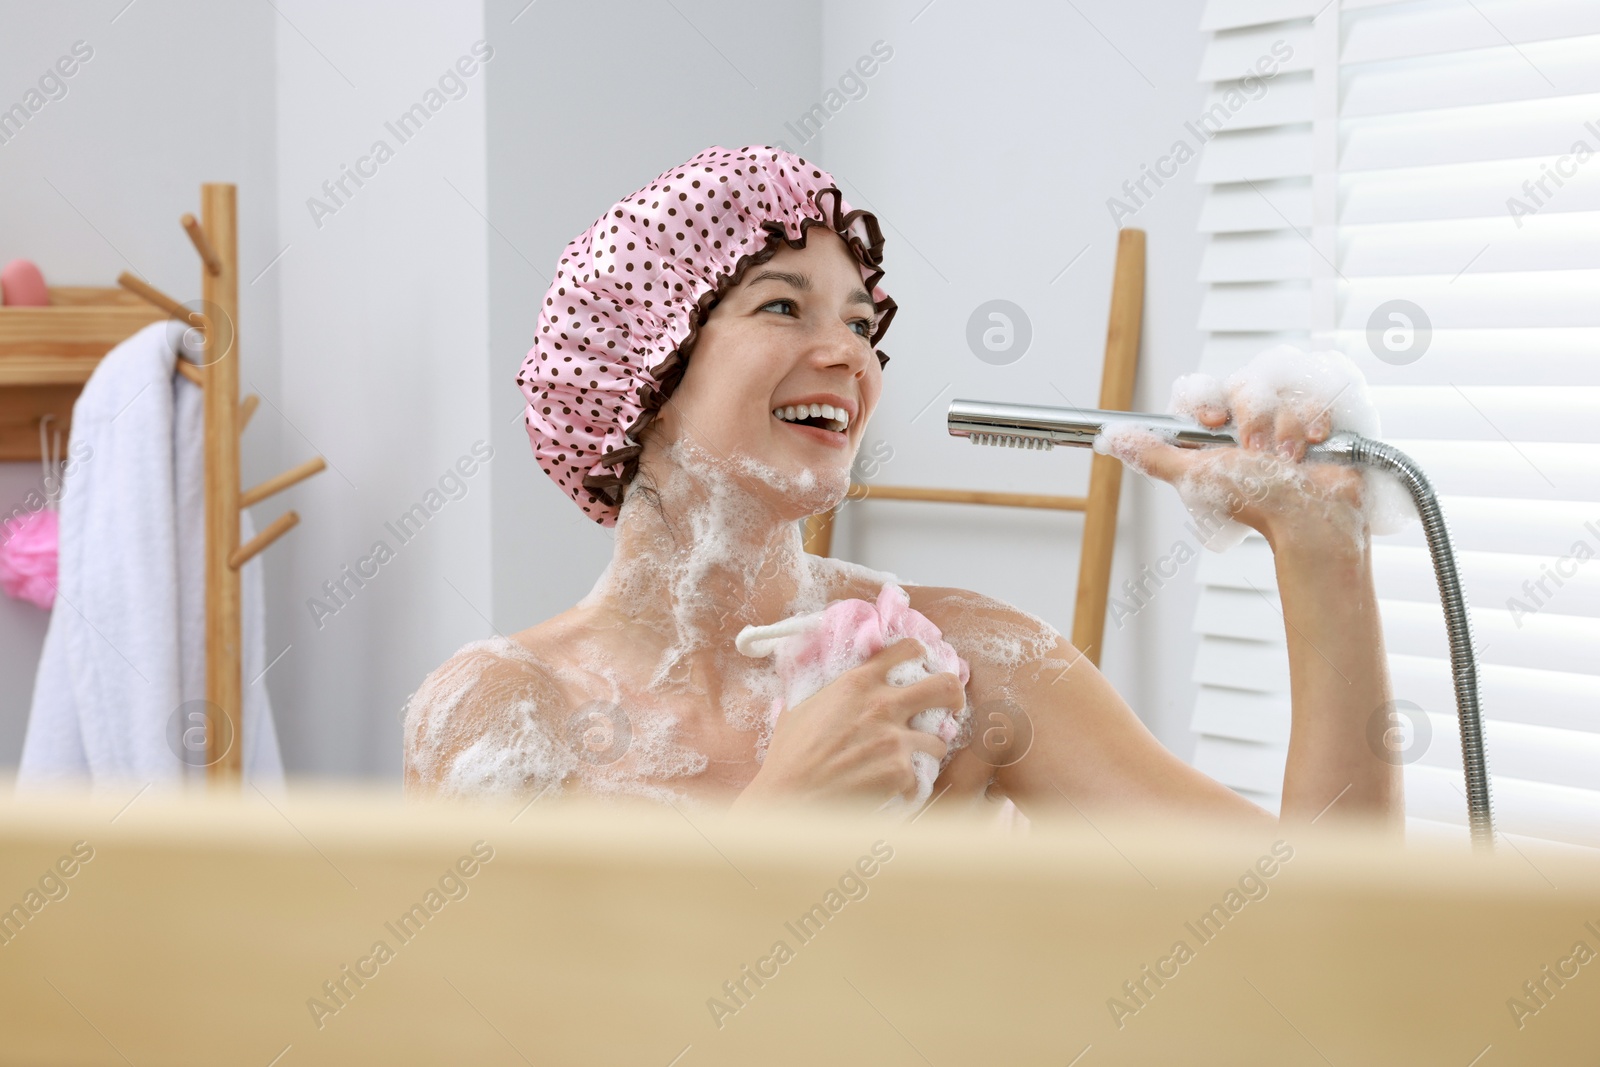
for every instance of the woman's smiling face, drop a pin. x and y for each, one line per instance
(796, 329)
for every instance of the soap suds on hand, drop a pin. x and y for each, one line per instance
(1312, 385)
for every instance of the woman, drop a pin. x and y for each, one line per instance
(704, 468)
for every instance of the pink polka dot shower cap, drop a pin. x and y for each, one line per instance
(633, 289)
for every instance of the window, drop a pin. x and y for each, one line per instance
(1418, 186)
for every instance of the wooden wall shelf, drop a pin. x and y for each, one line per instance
(48, 353)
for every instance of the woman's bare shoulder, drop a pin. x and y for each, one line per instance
(499, 691)
(990, 634)
(496, 659)
(984, 630)
(840, 579)
(956, 606)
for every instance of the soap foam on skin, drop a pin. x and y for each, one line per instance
(730, 545)
(987, 633)
(503, 711)
(726, 542)
(1311, 385)
(525, 746)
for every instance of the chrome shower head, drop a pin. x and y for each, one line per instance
(1037, 427)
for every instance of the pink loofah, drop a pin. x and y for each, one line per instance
(28, 557)
(21, 285)
(812, 650)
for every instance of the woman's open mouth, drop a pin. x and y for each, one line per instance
(821, 422)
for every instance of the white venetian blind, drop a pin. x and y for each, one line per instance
(1386, 162)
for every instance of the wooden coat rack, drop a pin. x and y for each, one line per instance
(216, 238)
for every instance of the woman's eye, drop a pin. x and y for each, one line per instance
(867, 323)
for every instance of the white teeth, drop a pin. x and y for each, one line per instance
(839, 417)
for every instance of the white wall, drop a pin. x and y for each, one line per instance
(95, 182)
(987, 145)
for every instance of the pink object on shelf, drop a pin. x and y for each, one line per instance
(22, 285)
(812, 650)
(28, 547)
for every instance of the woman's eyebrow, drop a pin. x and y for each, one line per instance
(803, 283)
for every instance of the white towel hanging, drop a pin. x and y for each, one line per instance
(123, 663)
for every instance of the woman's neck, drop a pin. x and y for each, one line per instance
(717, 550)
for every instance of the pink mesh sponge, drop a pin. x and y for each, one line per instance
(28, 547)
(634, 288)
(812, 650)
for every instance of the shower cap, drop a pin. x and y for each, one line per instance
(632, 291)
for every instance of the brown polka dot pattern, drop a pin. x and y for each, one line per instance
(634, 289)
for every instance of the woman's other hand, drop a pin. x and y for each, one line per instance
(852, 738)
(1265, 483)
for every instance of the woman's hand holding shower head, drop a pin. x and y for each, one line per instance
(1281, 402)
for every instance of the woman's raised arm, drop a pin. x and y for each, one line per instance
(1338, 679)
(1312, 515)
(1058, 736)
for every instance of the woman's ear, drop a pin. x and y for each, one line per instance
(653, 439)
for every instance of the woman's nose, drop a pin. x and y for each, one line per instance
(844, 345)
